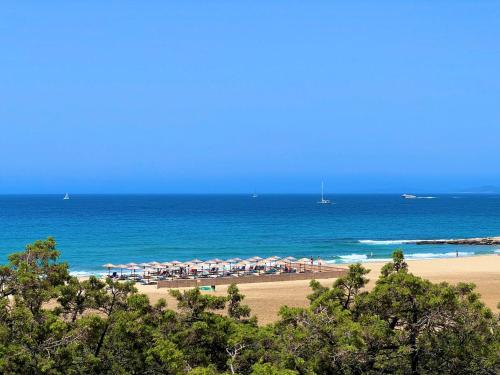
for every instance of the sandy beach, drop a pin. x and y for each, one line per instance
(265, 299)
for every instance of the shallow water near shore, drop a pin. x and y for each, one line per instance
(96, 229)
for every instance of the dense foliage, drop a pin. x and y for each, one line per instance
(52, 323)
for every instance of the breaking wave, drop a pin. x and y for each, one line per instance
(386, 242)
(363, 258)
(451, 254)
(356, 258)
(86, 273)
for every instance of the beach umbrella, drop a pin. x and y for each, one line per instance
(175, 262)
(134, 268)
(291, 259)
(233, 260)
(156, 265)
(166, 264)
(109, 266)
(144, 265)
(148, 270)
(121, 267)
(215, 261)
(258, 258)
(132, 264)
(243, 263)
(303, 260)
(252, 259)
(195, 261)
(201, 266)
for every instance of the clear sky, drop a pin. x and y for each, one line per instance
(228, 96)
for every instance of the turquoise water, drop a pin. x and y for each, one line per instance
(96, 229)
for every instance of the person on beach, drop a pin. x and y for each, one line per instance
(312, 260)
(319, 263)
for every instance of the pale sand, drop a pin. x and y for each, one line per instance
(265, 299)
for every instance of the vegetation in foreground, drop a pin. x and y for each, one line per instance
(405, 325)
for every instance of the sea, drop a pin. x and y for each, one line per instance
(92, 230)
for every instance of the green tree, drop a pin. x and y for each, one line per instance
(235, 308)
(398, 264)
(194, 303)
(51, 323)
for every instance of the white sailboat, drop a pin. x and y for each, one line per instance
(66, 197)
(408, 196)
(254, 195)
(323, 200)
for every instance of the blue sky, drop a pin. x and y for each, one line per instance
(224, 96)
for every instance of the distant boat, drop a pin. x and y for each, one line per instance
(66, 197)
(254, 195)
(323, 200)
(408, 196)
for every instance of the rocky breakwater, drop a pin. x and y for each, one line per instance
(462, 241)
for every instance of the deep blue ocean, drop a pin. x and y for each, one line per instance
(95, 229)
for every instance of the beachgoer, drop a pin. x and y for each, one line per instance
(312, 261)
(319, 263)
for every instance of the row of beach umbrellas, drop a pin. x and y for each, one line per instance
(200, 264)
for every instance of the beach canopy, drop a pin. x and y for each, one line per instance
(166, 264)
(195, 261)
(234, 260)
(144, 264)
(201, 266)
(131, 264)
(242, 263)
(155, 264)
(134, 268)
(175, 262)
(303, 260)
(252, 260)
(257, 258)
(109, 265)
(215, 260)
(290, 258)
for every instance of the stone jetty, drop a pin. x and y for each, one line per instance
(462, 241)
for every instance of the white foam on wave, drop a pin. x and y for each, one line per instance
(386, 242)
(353, 257)
(85, 273)
(363, 258)
(356, 258)
(451, 254)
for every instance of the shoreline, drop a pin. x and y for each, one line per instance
(352, 259)
(265, 299)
